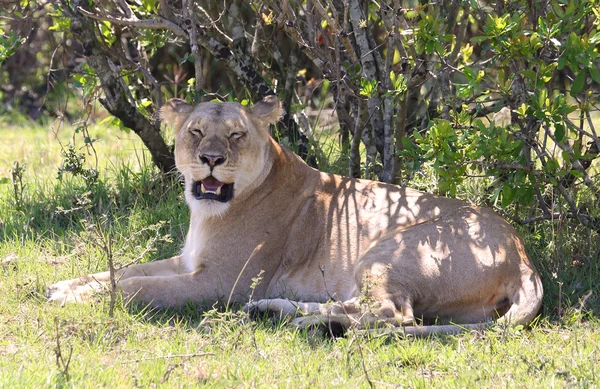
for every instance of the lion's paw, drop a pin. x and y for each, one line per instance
(319, 323)
(75, 290)
(308, 321)
(255, 306)
(281, 308)
(257, 309)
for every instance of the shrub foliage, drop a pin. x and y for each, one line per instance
(505, 92)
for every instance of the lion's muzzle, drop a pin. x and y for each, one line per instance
(212, 189)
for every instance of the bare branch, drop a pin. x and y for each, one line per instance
(126, 9)
(339, 33)
(157, 23)
(213, 23)
(361, 122)
(567, 148)
(593, 129)
(462, 32)
(165, 9)
(189, 21)
(389, 146)
(369, 71)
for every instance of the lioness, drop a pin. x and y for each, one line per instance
(328, 248)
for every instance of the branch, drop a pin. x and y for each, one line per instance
(240, 65)
(116, 99)
(591, 124)
(188, 14)
(583, 219)
(481, 111)
(567, 149)
(361, 122)
(165, 10)
(289, 27)
(369, 71)
(125, 7)
(462, 32)
(390, 147)
(157, 23)
(411, 48)
(501, 165)
(213, 23)
(342, 35)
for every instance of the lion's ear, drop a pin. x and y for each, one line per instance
(174, 112)
(267, 111)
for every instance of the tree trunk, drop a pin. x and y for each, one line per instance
(117, 100)
(369, 72)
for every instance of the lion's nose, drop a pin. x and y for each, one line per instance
(212, 160)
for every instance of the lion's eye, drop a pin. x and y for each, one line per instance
(236, 135)
(197, 132)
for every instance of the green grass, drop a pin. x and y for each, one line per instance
(44, 238)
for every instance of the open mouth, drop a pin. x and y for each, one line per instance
(212, 189)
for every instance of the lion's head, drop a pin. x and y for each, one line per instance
(221, 149)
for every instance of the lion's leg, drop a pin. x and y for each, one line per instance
(382, 313)
(285, 308)
(342, 315)
(468, 267)
(83, 288)
(176, 291)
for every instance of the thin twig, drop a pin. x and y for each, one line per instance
(189, 21)
(157, 23)
(364, 367)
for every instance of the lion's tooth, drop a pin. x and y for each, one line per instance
(218, 192)
(202, 188)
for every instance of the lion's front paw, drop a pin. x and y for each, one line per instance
(255, 306)
(75, 290)
(308, 321)
(260, 308)
(326, 325)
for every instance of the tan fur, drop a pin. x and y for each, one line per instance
(329, 248)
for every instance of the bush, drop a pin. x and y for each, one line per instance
(504, 92)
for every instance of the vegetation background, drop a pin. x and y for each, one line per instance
(492, 102)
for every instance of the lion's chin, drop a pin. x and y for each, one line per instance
(212, 189)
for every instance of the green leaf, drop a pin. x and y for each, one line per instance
(595, 74)
(578, 83)
(542, 96)
(407, 144)
(185, 58)
(508, 194)
(106, 120)
(559, 132)
(576, 173)
(469, 73)
(480, 125)
(529, 74)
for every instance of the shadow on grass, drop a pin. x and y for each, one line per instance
(58, 210)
